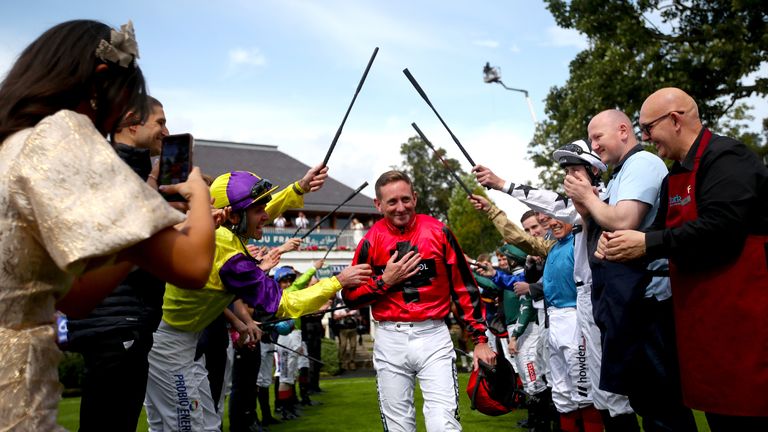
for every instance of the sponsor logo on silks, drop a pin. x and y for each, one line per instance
(581, 356)
(531, 371)
(582, 391)
(677, 200)
(184, 405)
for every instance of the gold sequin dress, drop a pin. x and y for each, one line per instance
(66, 199)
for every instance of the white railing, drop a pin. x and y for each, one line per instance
(347, 240)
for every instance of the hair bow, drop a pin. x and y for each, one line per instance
(122, 47)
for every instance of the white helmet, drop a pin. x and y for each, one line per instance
(578, 153)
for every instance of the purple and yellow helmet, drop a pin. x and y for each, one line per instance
(240, 190)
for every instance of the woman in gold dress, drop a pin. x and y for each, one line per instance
(73, 216)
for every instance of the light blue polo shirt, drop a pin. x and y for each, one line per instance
(640, 179)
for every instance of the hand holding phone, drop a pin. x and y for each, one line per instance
(195, 185)
(175, 162)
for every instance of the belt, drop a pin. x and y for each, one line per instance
(555, 309)
(404, 325)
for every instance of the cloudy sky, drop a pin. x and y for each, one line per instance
(283, 72)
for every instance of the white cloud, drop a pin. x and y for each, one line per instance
(560, 37)
(362, 153)
(514, 48)
(356, 27)
(246, 56)
(500, 146)
(486, 43)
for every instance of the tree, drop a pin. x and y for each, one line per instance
(474, 231)
(431, 180)
(705, 47)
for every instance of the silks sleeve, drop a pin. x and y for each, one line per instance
(242, 277)
(302, 302)
(507, 280)
(302, 281)
(464, 291)
(291, 197)
(527, 316)
(368, 292)
(548, 202)
(515, 235)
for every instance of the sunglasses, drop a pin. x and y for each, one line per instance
(646, 127)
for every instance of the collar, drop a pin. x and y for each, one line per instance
(400, 231)
(137, 158)
(567, 238)
(617, 168)
(689, 161)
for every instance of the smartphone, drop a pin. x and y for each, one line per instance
(175, 162)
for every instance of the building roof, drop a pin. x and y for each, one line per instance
(218, 157)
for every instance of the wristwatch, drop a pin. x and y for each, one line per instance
(380, 284)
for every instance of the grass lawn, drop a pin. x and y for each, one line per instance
(350, 404)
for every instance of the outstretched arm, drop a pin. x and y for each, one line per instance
(541, 200)
(509, 231)
(297, 303)
(183, 257)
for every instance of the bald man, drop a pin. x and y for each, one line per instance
(632, 303)
(713, 226)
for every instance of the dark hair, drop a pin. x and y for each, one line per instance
(206, 178)
(58, 71)
(152, 103)
(391, 177)
(138, 115)
(528, 214)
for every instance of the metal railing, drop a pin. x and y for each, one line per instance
(319, 239)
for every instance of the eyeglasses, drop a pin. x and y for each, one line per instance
(646, 127)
